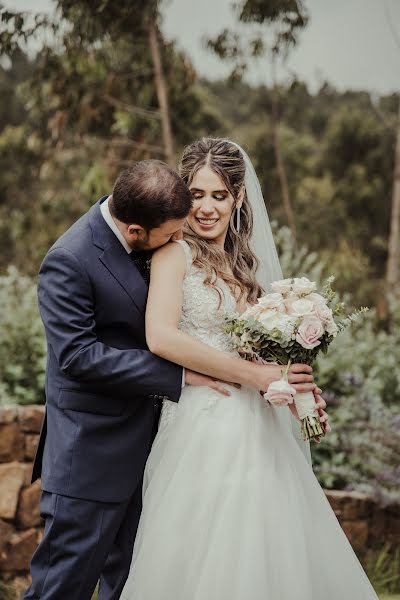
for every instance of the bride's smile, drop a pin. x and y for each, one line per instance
(213, 205)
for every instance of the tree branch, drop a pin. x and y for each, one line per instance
(135, 110)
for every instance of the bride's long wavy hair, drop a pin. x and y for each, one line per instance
(226, 160)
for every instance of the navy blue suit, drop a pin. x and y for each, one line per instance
(103, 394)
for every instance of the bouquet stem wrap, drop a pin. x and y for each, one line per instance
(310, 424)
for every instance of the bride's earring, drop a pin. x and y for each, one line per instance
(238, 219)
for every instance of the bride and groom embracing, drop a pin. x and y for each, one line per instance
(165, 474)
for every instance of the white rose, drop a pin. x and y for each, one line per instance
(298, 285)
(249, 312)
(273, 301)
(302, 285)
(317, 299)
(300, 308)
(283, 323)
(269, 318)
(332, 328)
(283, 286)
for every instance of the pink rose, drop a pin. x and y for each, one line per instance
(324, 314)
(280, 393)
(309, 332)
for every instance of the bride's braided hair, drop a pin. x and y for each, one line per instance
(226, 160)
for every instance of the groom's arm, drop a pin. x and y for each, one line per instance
(67, 308)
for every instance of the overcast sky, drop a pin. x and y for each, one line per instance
(347, 42)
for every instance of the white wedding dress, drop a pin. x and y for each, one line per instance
(231, 508)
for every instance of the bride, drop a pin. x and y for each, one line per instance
(231, 507)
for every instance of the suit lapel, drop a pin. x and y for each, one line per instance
(115, 258)
(121, 266)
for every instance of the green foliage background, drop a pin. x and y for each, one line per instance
(85, 107)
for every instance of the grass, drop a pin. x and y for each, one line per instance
(6, 594)
(383, 569)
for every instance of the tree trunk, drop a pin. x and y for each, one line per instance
(393, 267)
(280, 165)
(162, 95)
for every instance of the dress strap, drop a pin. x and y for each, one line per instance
(188, 253)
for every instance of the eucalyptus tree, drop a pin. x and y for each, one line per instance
(91, 107)
(118, 46)
(265, 28)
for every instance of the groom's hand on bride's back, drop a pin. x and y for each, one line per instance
(199, 380)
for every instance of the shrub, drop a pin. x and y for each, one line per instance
(360, 379)
(22, 348)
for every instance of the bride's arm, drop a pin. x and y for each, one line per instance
(164, 338)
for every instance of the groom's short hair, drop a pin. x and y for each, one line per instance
(150, 193)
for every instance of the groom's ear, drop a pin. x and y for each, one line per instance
(135, 231)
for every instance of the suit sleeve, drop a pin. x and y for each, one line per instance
(67, 308)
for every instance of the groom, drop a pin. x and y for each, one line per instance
(104, 388)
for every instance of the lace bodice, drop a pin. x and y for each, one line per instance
(202, 318)
(202, 312)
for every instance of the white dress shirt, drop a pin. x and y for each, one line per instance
(105, 211)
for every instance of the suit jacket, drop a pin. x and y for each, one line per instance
(102, 382)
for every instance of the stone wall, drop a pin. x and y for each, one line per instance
(364, 522)
(20, 523)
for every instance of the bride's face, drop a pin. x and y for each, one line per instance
(212, 206)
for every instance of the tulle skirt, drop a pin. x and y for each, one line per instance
(233, 511)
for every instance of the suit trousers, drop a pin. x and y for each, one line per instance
(84, 542)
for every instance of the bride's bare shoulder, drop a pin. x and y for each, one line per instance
(170, 255)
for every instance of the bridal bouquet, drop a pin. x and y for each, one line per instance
(291, 325)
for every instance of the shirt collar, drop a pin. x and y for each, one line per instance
(105, 211)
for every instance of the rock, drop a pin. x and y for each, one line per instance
(393, 532)
(6, 531)
(350, 506)
(11, 442)
(20, 584)
(18, 552)
(12, 477)
(379, 523)
(31, 418)
(27, 467)
(6, 591)
(40, 534)
(393, 510)
(336, 500)
(28, 513)
(31, 444)
(357, 534)
(8, 414)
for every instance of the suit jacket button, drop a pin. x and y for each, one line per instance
(151, 397)
(165, 397)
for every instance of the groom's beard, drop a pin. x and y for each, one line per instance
(140, 245)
